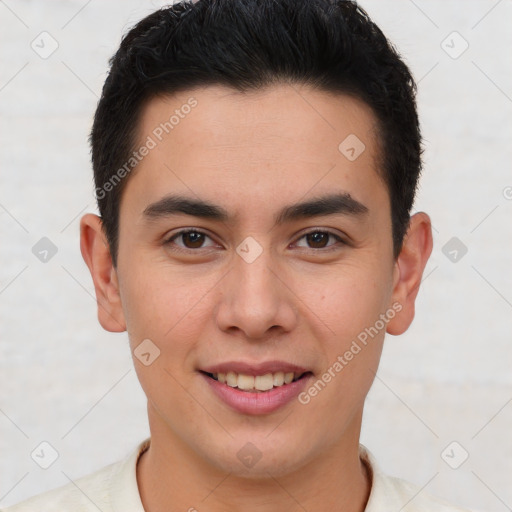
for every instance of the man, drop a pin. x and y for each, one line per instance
(255, 164)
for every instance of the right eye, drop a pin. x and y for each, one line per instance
(191, 239)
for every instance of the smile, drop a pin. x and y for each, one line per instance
(255, 389)
(256, 383)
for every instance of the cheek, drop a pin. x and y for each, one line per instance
(170, 310)
(351, 300)
(351, 306)
(166, 306)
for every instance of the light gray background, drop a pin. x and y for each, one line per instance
(66, 381)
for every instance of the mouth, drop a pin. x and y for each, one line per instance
(256, 388)
(257, 383)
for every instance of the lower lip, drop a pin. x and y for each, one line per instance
(264, 402)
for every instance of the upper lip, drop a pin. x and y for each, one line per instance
(254, 368)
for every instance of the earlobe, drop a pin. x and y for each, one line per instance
(96, 254)
(409, 268)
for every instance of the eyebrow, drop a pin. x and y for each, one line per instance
(331, 204)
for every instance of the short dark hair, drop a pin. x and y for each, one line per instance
(331, 45)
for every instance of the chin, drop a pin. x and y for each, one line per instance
(259, 457)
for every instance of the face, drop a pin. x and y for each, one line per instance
(254, 248)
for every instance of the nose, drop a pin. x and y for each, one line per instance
(256, 300)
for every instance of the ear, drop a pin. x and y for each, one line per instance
(96, 254)
(408, 271)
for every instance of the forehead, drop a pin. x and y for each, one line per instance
(265, 145)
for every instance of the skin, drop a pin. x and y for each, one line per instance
(253, 154)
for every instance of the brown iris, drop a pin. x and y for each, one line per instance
(194, 238)
(317, 239)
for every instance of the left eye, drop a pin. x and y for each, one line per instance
(319, 239)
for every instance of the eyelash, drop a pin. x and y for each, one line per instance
(170, 241)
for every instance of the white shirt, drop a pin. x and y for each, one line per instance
(114, 489)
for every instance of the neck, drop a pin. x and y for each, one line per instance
(172, 477)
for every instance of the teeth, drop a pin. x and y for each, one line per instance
(278, 379)
(231, 379)
(245, 382)
(263, 382)
(258, 383)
